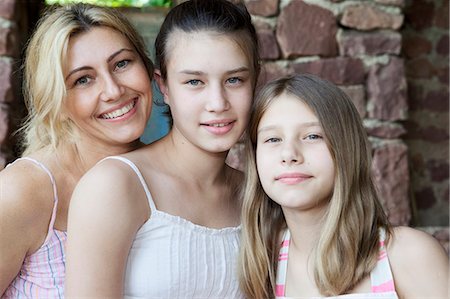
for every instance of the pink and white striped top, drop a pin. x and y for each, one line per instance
(42, 273)
(381, 277)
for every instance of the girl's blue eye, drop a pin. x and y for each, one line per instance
(313, 137)
(234, 80)
(193, 82)
(272, 140)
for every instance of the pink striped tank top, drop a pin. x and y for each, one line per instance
(42, 273)
(381, 276)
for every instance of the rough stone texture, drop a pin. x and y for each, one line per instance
(295, 35)
(439, 170)
(420, 67)
(420, 14)
(353, 43)
(442, 45)
(386, 90)
(4, 122)
(433, 100)
(425, 198)
(399, 3)
(236, 156)
(5, 81)
(441, 19)
(7, 8)
(268, 44)
(429, 133)
(416, 45)
(341, 70)
(386, 130)
(437, 100)
(8, 42)
(264, 8)
(271, 71)
(358, 96)
(368, 17)
(390, 168)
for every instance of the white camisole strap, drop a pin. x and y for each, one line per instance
(138, 173)
(55, 193)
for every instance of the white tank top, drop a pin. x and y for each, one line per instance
(172, 257)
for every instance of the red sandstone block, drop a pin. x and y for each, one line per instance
(4, 122)
(268, 44)
(416, 45)
(358, 96)
(354, 43)
(390, 168)
(266, 8)
(442, 45)
(5, 81)
(420, 67)
(399, 3)
(304, 30)
(386, 91)
(271, 71)
(341, 70)
(367, 16)
(386, 130)
(7, 8)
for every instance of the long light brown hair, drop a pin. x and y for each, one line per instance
(44, 84)
(348, 245)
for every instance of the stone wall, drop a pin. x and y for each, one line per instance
(357, 45)
(17, 19)
(425, 48)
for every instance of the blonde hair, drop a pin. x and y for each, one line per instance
(44, 84)
(348, 245)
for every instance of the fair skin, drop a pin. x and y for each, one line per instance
(186, 172)
(297, 171)
(108, 100)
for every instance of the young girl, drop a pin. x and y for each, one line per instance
(163, 221)
(83, 105)
(312, 222)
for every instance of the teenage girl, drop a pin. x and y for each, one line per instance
(164, 221)
(312, 222)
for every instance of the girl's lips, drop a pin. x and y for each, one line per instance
(292, 178)
(219, 127)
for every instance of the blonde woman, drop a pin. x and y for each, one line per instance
(88, 90)
(312, 222)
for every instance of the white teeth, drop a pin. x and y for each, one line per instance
(118, 112)
(218, 125)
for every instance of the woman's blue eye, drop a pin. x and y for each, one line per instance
(82, 81)
(122, 64)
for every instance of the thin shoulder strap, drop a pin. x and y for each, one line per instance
(381, 276)
(55, 193)
(139, 175)
(280, 286)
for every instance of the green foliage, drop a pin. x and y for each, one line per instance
(116, 3)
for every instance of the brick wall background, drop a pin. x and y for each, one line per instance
(390, 56)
